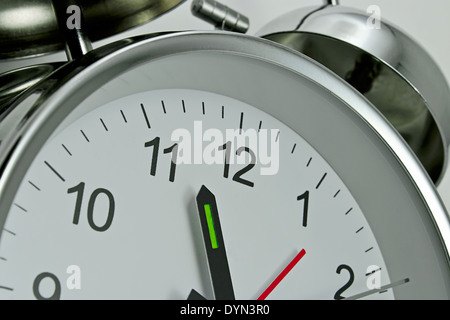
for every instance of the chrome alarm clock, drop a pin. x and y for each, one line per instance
(211, 165)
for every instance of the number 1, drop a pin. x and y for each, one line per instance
(304, 197)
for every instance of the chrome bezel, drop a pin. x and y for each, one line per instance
(61, 92)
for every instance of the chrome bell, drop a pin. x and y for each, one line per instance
(384, 64)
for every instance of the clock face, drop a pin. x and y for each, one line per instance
(118, 187)
(221, 170)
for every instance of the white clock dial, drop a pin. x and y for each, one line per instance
(105, 196)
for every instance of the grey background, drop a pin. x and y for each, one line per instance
(428, 22)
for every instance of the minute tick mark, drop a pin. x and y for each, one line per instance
(241, 123)
(10, 232)
(35, 186)
(123, 116)
(104, 125)
(373, 271)
(293, 148)
(21, 208)
(6, 288)
(54, 171)
(145, 116)
(357, 231)
(84, 135)
(321, 180)
(67, 150)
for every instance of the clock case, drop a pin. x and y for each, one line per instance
(30, 117)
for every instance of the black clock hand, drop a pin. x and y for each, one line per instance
(214, 244)
(194, 295)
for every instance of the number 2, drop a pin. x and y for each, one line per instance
(338, 293)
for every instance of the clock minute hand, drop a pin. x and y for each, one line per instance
(214, 244)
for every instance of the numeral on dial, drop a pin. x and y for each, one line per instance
(173, 149)
(79, 190)
(338, 295)
(305, 198)
(238, 175)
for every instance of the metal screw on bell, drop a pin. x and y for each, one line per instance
(219, 15)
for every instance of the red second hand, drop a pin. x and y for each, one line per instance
(283, 274)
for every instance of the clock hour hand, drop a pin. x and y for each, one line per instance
(214, 245)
